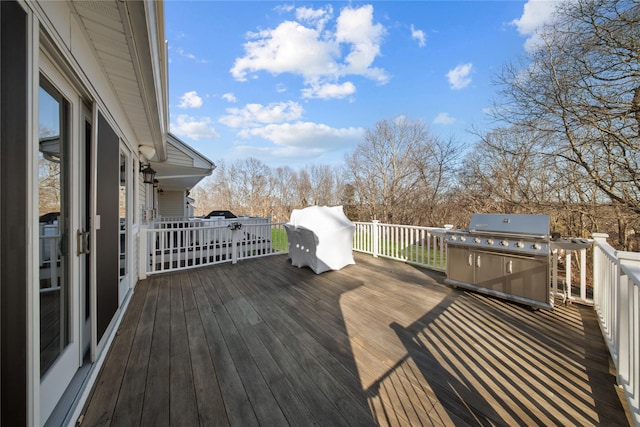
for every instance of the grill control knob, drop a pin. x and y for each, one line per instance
(462, 238)
(519, 245)
(489, 241)
(504, 243)
(476, 240)
(536, 246)
(453, 238)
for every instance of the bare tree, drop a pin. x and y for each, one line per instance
(252, 185)
(582, 87)
(303, 189)
(283, 184)
(398, 170)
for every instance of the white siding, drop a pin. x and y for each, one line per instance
(177, 157)
(171, 204)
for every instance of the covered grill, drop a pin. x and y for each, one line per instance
(505, 255)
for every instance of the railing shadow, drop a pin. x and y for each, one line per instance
(477, 360)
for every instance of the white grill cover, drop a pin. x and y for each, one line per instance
(320, 237)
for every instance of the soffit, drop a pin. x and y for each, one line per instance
(112, 37)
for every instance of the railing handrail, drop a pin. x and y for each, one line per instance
(631, 269)
(417, 227)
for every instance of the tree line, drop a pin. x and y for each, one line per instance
(566, 142)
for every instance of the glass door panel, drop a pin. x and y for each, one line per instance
(53, 225)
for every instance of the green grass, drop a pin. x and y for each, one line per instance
(279, 240)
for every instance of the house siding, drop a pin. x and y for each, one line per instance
(172, 204)
(177, 157)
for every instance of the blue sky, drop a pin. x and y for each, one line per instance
(295, 83)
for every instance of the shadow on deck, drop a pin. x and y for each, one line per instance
(376, 343)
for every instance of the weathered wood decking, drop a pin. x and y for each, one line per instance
(379, 342)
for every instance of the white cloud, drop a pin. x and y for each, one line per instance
(444, 119)
(229, 97)
(356, 27)
(535, 14)
(419, 35)
(459, 77)
(304, 48)
(190, 100)
(302, 138)
(289, 48)
(258, 114)
(315, 17)
(329, 90)
(189, 55)
(193, 128)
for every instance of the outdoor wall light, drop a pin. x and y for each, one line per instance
(148, 174)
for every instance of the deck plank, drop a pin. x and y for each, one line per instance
(155, 410)
(128, 410)
(237, 405)
(377, 343)
(209, 400)
(183, 405)
(103, 398)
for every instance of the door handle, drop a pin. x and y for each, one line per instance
(478, 261)
(470, 260)
(82, 242)
(509, 267)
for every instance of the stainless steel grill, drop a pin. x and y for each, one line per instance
(505, 255)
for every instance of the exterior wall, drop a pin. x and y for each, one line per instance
(50, 37)
(176, 157)
(171, 204)
(53, 31)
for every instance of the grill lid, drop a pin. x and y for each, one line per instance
(521, 224)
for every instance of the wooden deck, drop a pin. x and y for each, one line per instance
(376, 343)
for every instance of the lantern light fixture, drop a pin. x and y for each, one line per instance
(148, 173)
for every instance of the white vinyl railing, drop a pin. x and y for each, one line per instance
(172, 246)
(616, 277)
(563, 286)
(424, 246)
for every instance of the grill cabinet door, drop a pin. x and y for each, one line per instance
(528, 277)
(460, 263)
(490, 269)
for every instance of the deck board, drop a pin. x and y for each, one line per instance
(376, 343)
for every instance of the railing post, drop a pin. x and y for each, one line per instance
(375, 236)
(143, 252)
(597, 266)
(567, 274)
(554, 274)
(234, 245)
(583, 275)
